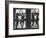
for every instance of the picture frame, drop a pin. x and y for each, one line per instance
(17, 7)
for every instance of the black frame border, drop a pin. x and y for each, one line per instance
(7, 14)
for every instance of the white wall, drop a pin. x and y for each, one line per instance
(2, 18)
